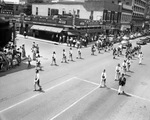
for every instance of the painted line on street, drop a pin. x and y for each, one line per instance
(132, 95)
(12, 106)
(57, 115)
(135, 96)
(88, 81)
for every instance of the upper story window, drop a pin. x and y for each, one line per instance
(54, 11)
(36, 10)
(63, 11)
(78, 12)
(49, 11)
(91, 16)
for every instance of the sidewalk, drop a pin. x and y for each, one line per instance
(48, 41)
(38, 39)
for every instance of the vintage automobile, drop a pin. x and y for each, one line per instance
(125, 44)
(147, 39)
(141, 42)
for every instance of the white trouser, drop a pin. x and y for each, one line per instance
(117, 75)
(120, 89)
(103, 82)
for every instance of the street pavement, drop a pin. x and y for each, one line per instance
(71, 90)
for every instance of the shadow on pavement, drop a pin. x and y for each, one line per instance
(22, 66)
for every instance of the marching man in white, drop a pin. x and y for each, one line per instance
(103, 79)
(124, 67)
(53, 58)
(118, 72)
(140, 58)
(128, 64)
(70, 55)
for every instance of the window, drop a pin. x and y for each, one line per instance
(54, 11)
(49, 11)
(36, 10)
(78, 12)
(91, 16)
(63, 11)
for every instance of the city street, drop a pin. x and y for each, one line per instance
(71, 90)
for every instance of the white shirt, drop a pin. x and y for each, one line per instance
(103, 74)
(37, 77)
(118, 69)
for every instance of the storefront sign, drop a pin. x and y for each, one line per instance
(62, 22)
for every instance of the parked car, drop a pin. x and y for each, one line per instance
(141, 42)
(125, 44)
(147, 39)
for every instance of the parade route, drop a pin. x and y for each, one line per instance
(71, 90)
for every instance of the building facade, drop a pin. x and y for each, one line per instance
(138, 16)
(88, 17)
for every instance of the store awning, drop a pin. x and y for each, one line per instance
(47, 28)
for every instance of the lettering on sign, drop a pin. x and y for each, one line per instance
(27, 18)
(82, 23)
(42, 20)
(62, 22)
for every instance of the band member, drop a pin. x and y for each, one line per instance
(53, 58)
(122, 82)
(70, 55)
(29, 61)
(38, 63)
(117, 72)
(140, 58)
(64, 59)
(93, 50)
(128, 64)
(79, 53)
(37, 81)
(103, 79)
(124, 67)
(114, 53)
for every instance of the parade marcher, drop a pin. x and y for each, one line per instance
(53, 58)
(38, 63)
(37, 80)
(114, 53)
(140, 58)
(122, 82)
(70, 55)
(124, 67)
(79, 53)
(64, 59)
(103, 79)
(117, 72)
(93, 49)
(23, 51)
(128, 64)
(29, 61)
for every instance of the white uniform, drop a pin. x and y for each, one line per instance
(140, 58)
(103, 79)
(54, 58)
(128, 65)
(124, 67)
(117, 72)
